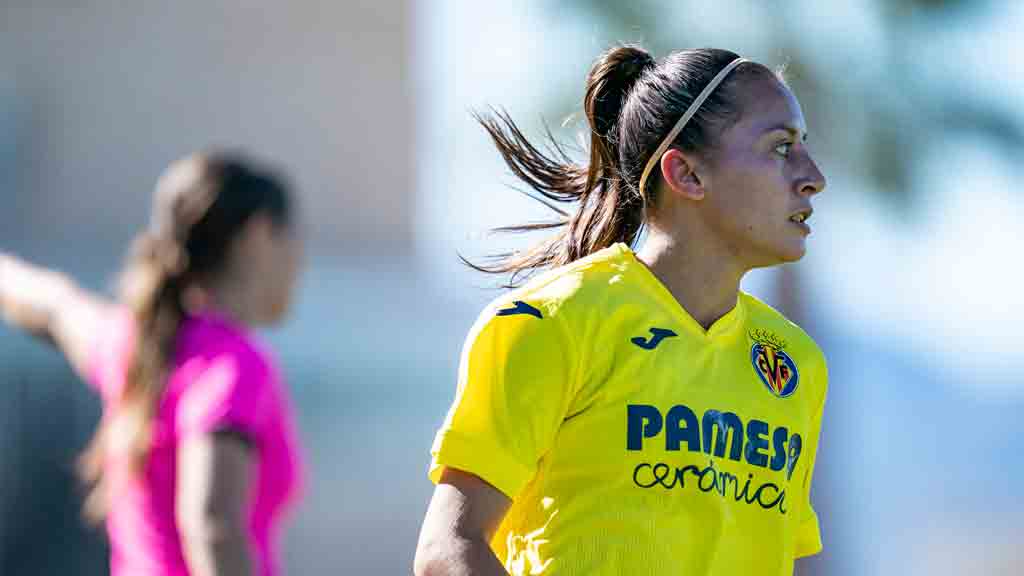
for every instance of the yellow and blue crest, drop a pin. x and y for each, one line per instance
(774, 367)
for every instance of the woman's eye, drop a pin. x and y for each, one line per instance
(783, 149)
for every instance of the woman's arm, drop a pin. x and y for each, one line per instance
(48, 304)
(463, 515)
(212, 502)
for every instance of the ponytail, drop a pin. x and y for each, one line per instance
(152, 290)
(610, 210)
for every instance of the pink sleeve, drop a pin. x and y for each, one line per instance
(226, 392)
(111, 351)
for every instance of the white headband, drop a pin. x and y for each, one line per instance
(656, 157)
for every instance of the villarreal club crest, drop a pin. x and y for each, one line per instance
(774, 367)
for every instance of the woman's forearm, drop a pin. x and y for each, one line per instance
(30, 295)
(458, 557)
(50, 305)
(218, 551)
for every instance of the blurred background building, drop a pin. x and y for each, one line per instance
(916, 116)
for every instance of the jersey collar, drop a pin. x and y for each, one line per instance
(725, 326)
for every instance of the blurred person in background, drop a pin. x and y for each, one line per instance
(195, 458)
(635, 412)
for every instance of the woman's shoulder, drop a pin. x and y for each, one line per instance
(111, 351)
(216, 341)
(222, 377)
(578, 287)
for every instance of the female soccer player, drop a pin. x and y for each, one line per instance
(195, 457)
(634, 412)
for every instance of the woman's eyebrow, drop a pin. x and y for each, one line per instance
(785, 127)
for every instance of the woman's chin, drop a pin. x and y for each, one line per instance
(792, 253)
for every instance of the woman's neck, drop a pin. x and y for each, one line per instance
(702, 280)
(224, 299)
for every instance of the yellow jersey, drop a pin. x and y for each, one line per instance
(631, 440)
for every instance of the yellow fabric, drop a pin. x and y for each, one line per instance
(596, 403)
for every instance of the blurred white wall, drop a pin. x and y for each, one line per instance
(98, 96)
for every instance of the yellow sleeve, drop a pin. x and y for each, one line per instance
(808, 538)
(517, 379)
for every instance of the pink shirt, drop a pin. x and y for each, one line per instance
(219, 379)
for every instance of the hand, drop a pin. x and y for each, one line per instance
(28, 295)
(6, 272)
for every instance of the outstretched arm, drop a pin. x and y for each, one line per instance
(49, 305)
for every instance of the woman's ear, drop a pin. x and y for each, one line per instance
(678, 170)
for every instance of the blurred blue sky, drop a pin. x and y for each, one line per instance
(916, 306)
(936, 281)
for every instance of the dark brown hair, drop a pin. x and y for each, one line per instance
(631, 103)
(201, 204)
